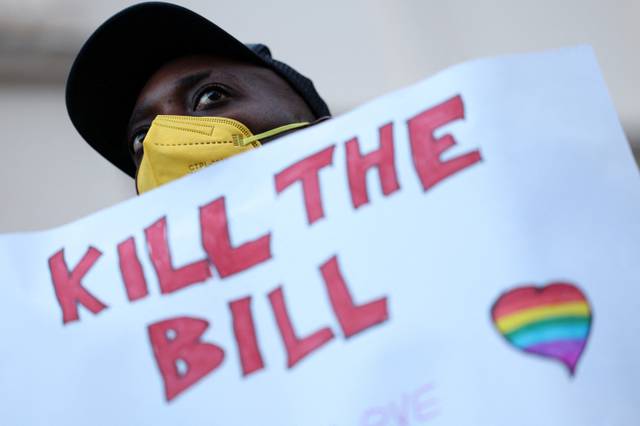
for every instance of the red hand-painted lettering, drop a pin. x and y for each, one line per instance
(68, 284)
(131, 270)
(427, 149)
(297, 348)
(353, 319)
(172, 279)
(245, 334)
(382, 159)
(307, 171)
(216, 241)
(179, 339)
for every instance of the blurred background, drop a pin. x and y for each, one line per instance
(354, 50)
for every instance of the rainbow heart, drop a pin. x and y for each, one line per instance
(552, 321)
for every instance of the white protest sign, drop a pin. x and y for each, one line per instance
(461, 252)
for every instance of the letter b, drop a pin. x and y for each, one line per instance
(179, 339)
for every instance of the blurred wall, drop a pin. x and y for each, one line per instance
(354, 51)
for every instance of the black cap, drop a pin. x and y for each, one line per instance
(117, 60)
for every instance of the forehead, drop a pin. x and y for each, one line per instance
(187, 71)
(181, 67)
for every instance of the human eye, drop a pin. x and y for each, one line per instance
(137, 140)
(208, 97)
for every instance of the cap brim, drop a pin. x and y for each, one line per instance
(118, 59)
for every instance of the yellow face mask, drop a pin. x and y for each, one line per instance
(178, 145)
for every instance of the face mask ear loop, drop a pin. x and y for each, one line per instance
(320, 120)
(272, 132)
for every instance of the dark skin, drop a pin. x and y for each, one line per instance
(215, 86)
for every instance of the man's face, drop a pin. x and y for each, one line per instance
(215, 86)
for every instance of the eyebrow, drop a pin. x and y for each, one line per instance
(184, 82)
(193, 79)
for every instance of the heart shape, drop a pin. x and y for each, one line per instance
(551, 321)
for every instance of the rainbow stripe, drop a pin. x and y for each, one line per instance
(553, 321)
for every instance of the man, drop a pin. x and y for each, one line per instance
(157, 75)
